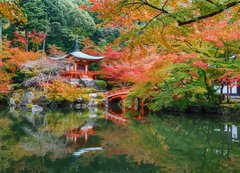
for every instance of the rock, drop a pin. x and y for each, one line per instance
(29, 96)
(23, 103)
(16, 95)
(12, 109)
(224, 110)
(54, 105)
(88, 82)
(105, 102)
(67, 104)
(92, 103)
(79, 100)
(93, 115)
(12, 102)
(93, 95)
(43, 100)
(93, 109)
(84, 106)
(36, 108)
(78, 106)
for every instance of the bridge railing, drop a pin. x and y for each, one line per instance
(117, 91)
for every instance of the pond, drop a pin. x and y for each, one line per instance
(97, 140)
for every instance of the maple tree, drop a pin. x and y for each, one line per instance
(176, 52)
(10, 11)
(12, 59)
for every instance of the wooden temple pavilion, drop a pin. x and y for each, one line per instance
(78, 66)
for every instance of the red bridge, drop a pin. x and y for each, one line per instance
(118, 93)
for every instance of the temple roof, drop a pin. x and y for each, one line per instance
(81, 55)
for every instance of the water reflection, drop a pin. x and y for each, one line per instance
(129, 141)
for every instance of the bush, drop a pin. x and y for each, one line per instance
(101, 84)
(16, 86)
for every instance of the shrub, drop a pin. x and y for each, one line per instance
(101, 84)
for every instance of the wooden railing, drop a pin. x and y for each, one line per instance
(124, 90)
(76, 74)
(72, 74)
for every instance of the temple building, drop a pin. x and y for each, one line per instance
(234, 92)
(77, 67)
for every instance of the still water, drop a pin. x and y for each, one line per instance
(102, 141)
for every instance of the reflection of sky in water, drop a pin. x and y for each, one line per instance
(86, 150)
(99, 136)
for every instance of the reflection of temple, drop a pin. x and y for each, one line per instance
(85, 131)
(234, 91)
(229, 140)
(233, 130)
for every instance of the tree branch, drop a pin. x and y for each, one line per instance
(180, 23)
(151, 21)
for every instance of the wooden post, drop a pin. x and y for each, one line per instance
(123, 103)
(85, 135)
(142, 108)
(86, 68)
(75, 67)
(228, 94)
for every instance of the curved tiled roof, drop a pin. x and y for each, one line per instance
(81, 55)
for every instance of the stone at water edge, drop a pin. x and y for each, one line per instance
(78, 106)
(84, 106)
(93, 95)
(105, 102)
(92, 103)
(79, 100)
(12, 102)
(36, 108)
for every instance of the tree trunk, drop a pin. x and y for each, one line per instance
(221, 94)
(44, 40)
(26, 35)
(228, 94)
(44, 44)
(207, 86)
